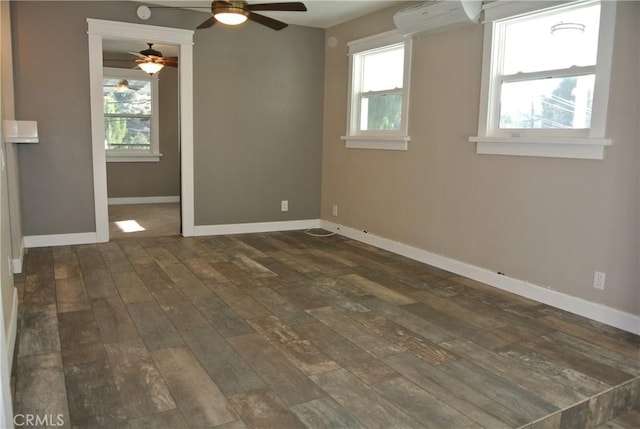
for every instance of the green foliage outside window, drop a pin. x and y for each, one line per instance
(127, 120)
(383, 111)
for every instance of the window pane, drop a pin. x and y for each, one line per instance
(134, 97)
(131, 96)
(127, 133)
(380, 112)
(383, 69)
(547, 103)
(531, 44)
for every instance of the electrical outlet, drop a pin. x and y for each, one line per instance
(598, 280)
(335, 210)
(284, 205)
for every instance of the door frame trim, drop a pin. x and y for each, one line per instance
(99, 30)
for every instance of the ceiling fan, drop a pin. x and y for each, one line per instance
(152, 61)
(234, 12)
(121, 85)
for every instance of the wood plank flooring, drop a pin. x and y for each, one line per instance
(285, 330)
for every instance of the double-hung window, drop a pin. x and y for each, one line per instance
(379, 92)
(130, 102)
(546, 81)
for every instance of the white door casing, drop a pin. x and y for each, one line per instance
(99, 30)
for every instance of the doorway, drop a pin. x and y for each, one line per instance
(144, 220)
(142, 141)
(99, 31)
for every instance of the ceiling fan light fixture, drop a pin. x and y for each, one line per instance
(567, 27)
(230, 18)
(151, 67)
(230, 12)
(122, 86)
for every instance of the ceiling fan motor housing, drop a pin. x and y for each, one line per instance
(151, 52)
(232, 6)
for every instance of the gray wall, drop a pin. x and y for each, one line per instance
(153, 179)
(258, 123)
(551, 222)
(258, 116)
(51, 64)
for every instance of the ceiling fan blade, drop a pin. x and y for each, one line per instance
(208, 23)
(138, 54)
(165, 61)
(284, 7)
(269, 22)
(170, 61)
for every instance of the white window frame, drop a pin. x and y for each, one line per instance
(377, 139)
(152, 155)
(577, 144)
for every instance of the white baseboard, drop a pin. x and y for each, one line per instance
(12, 329)
(234, 228)
(16, 264)
(601, 313)
(245, 228)
(60, 239)
(143, 200)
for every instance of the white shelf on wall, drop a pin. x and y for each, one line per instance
(20, 131)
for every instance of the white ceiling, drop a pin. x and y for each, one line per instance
(321, 13)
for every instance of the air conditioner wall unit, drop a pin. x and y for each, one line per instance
(437, 15)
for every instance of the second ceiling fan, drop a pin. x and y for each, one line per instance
(150, 55)
(235, 12)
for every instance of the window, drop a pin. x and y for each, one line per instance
(379, 92)
(130, 115)
(546, 82)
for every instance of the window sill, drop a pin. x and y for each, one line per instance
(376, 142)
(133, 157)
(575, 148)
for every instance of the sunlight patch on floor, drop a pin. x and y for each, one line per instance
(129, 226)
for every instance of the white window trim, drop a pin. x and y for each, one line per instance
(154, 154)
(385, 140)
(561, 145)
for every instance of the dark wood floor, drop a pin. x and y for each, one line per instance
(284, 330)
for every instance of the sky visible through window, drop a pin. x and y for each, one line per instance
(530, 45)
(382, 74)
(383, 69)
